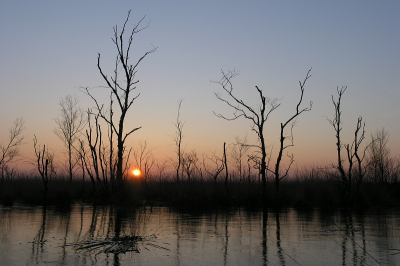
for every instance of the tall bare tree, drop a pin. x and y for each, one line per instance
(178, 140)
(123, 89)
(354, 154)
(353, 151)
(336, 122)
(291, 121)
(70, 122)
(10, 151)
(44, 163)
(258, 116)
(95, 161)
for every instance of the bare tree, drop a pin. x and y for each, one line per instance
(95, 161)
(189, 161)
(226, 168)
(217, 168)
(44, 163)
(227, 176)
(336, 122)
(11, 151)
(112, 162)
(178, 140)
(144, 158)
(86, 165)
(292, 121)
(70, 123)
(353, 151)
(161, 167)
(238, 152)
(379, 156)
(258, 117)
(122, 90)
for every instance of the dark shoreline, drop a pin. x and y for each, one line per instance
(300, 194)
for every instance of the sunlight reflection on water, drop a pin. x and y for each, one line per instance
(36, 235)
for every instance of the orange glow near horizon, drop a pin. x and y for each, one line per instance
(136, 173)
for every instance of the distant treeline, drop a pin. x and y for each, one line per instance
(306, 191)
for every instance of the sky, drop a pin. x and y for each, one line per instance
(48, 49)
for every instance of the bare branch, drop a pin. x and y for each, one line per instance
(292, 120)
(11, 150)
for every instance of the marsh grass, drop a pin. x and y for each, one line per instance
(300, 193)
(31, 191)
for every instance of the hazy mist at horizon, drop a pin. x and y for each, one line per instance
(49, 50)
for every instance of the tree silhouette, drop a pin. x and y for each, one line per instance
(258, 117)
(144, 158)
(379, 156)
(353, 151)
(122, 90)
(178, 140)
(238, 151)
(70, 122)
(292, 121)
(44, 163)
(11, 150)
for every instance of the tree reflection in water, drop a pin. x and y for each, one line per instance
(220, 237)
(264, 238)
(278, 239)
(39, 240)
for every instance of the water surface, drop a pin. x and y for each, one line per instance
(57, 236)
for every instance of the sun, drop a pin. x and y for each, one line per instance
(136, 173)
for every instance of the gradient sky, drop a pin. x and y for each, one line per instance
(48, 49)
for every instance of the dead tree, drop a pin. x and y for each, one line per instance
(292, 121)
(226, 168)
(227, 176)
(258, 117)
(178, 140)
(44, 163)
(336, 122)
(94, 161)
(112, 162)
(215, 171)
(122, 90)
(239, 149)
(353, 151)
(161, 167)
(96, 169)
(86, 167)
(379, 156)
(11, 151)
(144, 158)
(70, 122)
(189, 161)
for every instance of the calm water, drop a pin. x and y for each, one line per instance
(83, 235)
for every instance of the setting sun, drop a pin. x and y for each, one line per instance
(136, 172)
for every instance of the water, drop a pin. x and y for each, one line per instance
(51, 236)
